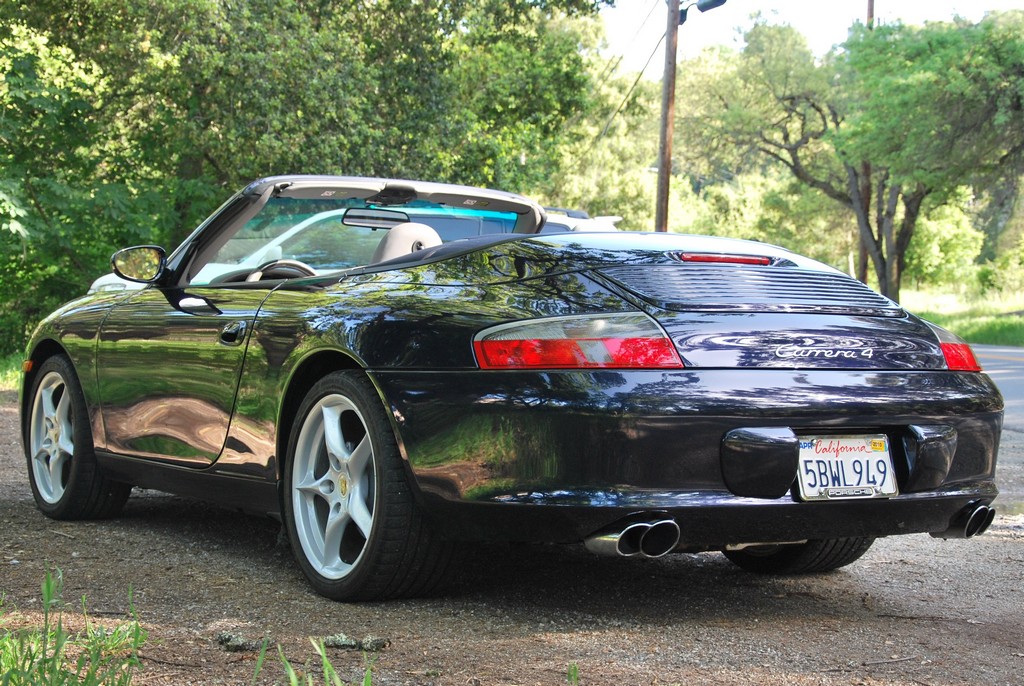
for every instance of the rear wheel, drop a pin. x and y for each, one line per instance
(66, 481)
(353, 525)
(803, 558)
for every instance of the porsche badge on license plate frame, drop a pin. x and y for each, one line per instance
(846, 467)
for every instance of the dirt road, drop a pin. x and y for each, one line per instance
(914, 610)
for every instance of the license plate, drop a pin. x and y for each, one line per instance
(845, 467)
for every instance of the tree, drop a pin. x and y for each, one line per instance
(901, 115)
(518, 90)
(127, 121)
(938, 107)
(59, 213)
(207, 96)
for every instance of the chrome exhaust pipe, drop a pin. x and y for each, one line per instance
(981, 519)
(661, 539)
(623, 541)
(636, 539)
(973, 520)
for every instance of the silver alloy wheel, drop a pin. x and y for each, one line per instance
(51, 437)
(333, 486)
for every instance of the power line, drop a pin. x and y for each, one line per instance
(610, 67)
(629, 94)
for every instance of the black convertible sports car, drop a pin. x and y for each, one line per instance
(394, 367)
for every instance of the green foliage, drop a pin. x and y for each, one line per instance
(518, 85)
(990, 329)
(127, 122)
(53, 655)
(899, 116)
(603, 167)
(1005, 274)
(102, 656)
(10, 372)
(936, 107)
(771, 207)
(945, 246)
(59, 215)
(940, 104)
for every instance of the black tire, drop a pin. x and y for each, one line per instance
(812, 557)
(66, 481)
(349, 512)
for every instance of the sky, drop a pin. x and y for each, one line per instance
(634, 27)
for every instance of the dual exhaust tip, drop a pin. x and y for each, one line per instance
(644, 538)
(973, 520)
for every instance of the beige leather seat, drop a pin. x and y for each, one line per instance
(402, 239)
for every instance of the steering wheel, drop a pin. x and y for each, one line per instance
(280, 269)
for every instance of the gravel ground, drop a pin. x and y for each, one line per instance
(914, 610)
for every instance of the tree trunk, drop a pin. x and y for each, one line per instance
(868, 238)
(911, 211)
(880, 238)
(885, 220)
(862, 253)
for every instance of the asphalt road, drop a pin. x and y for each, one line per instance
(1006, 367)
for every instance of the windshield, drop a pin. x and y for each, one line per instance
(323, 234)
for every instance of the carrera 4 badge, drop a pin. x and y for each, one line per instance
(795, 351)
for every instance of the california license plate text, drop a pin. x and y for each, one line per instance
(841, 467)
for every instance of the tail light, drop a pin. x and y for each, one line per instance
(960, 357)
(958, 354)
(612, 341)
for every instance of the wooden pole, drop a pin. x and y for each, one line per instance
(668, 109)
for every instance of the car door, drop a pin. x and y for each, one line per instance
(168, 362)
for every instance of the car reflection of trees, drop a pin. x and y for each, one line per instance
(200, 425)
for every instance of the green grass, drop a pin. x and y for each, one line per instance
(51, 654)
(97, 655)
(298, 677)
(991, 320)
(10, 371)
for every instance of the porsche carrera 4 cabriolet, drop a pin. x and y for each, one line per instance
(394, 368)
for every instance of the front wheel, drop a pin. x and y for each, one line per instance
(354, 528)
(66, 481)
(810, 557)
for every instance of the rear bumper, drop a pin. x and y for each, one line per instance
(712, 520)
(556, 456)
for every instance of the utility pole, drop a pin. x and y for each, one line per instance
(676, 18)
(668, 116)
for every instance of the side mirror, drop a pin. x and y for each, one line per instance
(143, 264)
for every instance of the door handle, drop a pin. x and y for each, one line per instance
(233, 333)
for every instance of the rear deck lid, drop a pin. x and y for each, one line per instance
(728, 311)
